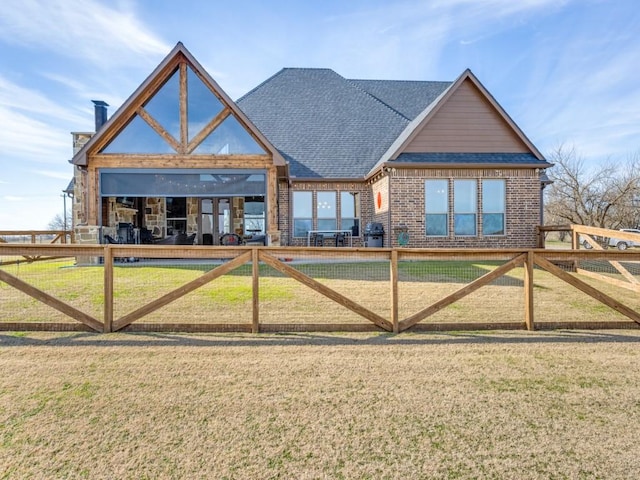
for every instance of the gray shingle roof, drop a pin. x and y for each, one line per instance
(409, 98)
(327, 126)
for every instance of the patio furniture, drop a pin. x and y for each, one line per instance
(177, 239)
(110, 239)
(318, 240)
(230, 239)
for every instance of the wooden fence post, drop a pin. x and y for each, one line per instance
(108, 289)
(394, 291)
(528, 291)
(255, 325)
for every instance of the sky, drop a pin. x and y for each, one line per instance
(565, 71)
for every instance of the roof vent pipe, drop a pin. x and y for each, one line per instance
(100, 109)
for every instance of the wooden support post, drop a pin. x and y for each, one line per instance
(528, 291)
(184, 135)
(108, 289)
(255, 326)
(394, 291)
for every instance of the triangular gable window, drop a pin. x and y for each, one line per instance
(202, 105)
(138, 137)
(229, 138)
(190, 121)
(164, 106)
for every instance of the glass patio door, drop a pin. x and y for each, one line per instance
(223, 219)
(215, 220)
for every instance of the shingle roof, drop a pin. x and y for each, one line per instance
(327, 126)
(409, 98)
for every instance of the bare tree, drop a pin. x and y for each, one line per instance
(605, 196)
(58, 223)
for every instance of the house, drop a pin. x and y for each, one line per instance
(308, 150)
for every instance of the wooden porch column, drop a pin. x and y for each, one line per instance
(92, 197)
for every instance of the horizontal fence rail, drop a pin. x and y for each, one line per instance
(292, 289)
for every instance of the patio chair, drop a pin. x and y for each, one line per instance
(340, 240)
(110, 239)
(318, 240)
(230, 239)
(184, 239)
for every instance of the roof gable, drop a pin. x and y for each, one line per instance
(178, 109)
(466, 122)
(473, 120)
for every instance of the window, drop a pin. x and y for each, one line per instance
(493, 207)
(464, 207)
(254, 215)
(436, 195)
(176, 215)
(350, 212)
(302, 213)
(326, 210)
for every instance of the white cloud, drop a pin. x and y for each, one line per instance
(101, 34)
(15, 97)
(53, 174)
(25, 137)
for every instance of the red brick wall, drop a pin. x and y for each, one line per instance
(522, 208)
(402, 203)
(286, 213)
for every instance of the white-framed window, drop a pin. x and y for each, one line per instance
(326, 210)
(493, 207)
(465, 207)
(350, 212)
(436, 197)
(302, 213)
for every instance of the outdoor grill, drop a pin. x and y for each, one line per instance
(374, 235)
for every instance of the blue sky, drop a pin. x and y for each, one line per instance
(565, 71)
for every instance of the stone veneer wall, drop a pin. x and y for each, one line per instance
(522, 207)
(154, 217)
(78, 208)
(237, 212)
(192, 215)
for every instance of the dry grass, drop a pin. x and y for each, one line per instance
(494, 405)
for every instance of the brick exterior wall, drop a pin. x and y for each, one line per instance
(522, 208)
(381, 205)
(286, 214)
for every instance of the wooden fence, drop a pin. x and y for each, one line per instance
(560, 264)
(35, 237)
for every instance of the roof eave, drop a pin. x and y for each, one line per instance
(430, 165)
(327, 179)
